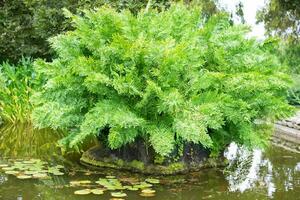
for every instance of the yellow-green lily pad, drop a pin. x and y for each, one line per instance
(147, 195)
(40, 175)
(118, 194)
(24, 177)
(58, 173)
(12, 172)
(8, 168)
(83, 192)
(97, 191)
(148, 191)
(152, 180)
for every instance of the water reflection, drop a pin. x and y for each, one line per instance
(270, 174)
(25, 141)
(248, 170)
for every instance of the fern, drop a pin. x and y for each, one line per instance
(167, 77)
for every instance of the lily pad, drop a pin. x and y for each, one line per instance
(24, 177)
(8, 168)
(110, 177)
(28, 162)
(132, 188)
(3, 165)
(30, 172)
(152, 180)
(58, 173)
(118, 194)
(97, 191)
(147, 195)
(12, 172)
(142, 185)
(148, 191)
(83, 192)
(40, 175)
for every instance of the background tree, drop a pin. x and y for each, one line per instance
(26, 25)
(282, 19)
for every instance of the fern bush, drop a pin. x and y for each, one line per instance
(167, 77)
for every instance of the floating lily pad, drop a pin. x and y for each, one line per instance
(116, 199)
(132, 188)
(148, 191)
(12, 172)
(83, 192)
(58, 173)
(40, 175)
(3, 165)
(111, 188)
(147, 195)
(97, 191)
(24, 177)
(152, 180)
(142, 185)
(110, 177)
(81, 182)
(8, 168)
(28, 162)
(118, 194)
(30, 172)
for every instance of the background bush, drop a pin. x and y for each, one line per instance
(168, 77)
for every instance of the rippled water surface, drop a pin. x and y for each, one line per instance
(273, 174)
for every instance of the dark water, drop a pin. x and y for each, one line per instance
(272, 174)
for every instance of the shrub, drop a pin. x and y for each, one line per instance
(16, 85)
(167, 77)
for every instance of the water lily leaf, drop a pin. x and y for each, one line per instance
(142, 185)
(24, 177)
(8, 168)
(58, 173)
(148, 191)
(118, 194)
(111, 188)
(28, 162)
(147, 195)
(132, 188)
(59, 167)
(83, 192)
(12, 172)
(110, 177)
(4, 165)
(30, 172)
(116, 199)
(85, 182)
(40, 175)
(97, 191)
(152, 180)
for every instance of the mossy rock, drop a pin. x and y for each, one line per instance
(92, 158)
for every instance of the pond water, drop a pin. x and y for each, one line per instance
(270, 174)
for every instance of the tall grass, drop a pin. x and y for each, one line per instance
(16, 85)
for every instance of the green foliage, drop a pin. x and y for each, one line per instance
(168, 77)
(17, 83)
(281, 17)
(25, 25)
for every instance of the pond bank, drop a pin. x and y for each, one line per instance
(287, 133)
(93, 159)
